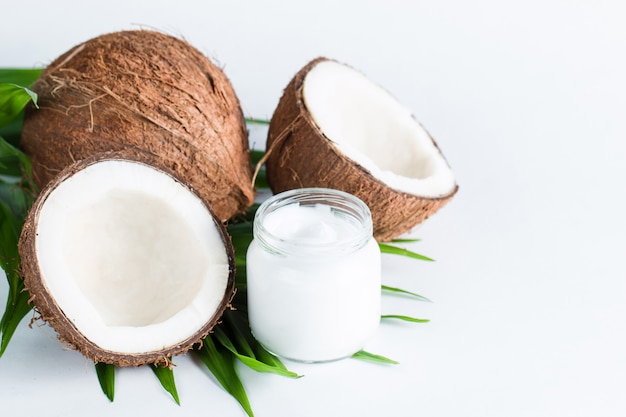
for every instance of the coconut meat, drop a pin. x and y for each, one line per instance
(371, 128)
(133, 258)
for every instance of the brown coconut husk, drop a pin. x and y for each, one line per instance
(300, 155)
(49, 311)
(148, 92)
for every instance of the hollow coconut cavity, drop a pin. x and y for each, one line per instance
(125, 262)
(335, 128)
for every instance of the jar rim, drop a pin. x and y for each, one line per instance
(345, 204)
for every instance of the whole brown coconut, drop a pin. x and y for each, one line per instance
(126, 272)
(300, 153)
(148, 92)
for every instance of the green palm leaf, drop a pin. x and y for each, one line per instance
(371, 357)
(404, 318)
(106, 378)
(165, 376)
(401, 291)
(395, 250)
(221, 362)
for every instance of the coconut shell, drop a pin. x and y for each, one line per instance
(148, 92)
(48, 309)
(300, 155)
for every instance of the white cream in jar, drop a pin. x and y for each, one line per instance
(313, 275)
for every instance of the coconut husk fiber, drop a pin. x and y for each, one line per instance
(147, 92)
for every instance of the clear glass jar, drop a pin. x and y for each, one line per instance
(313, 275)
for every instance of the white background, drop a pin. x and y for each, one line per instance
(526, 100)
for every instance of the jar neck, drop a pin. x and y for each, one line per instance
(313, 221)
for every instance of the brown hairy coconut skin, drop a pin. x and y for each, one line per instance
(48, 309)
(300, 155)
(148, 92)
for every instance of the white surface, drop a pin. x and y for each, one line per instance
(526, 101)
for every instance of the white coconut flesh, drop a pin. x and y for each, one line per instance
(133, 258)
(371, 128)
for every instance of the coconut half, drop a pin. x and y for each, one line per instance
(335, 128)
(125, 262)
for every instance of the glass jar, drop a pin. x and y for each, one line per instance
(313, 275)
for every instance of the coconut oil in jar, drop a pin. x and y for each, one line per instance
(313, 275)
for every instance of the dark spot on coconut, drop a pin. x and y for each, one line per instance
(211, 82)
